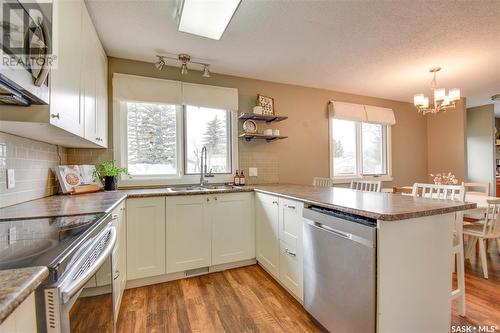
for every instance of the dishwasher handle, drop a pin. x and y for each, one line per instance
(341, 234)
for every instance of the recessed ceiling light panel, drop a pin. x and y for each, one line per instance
(206, 18)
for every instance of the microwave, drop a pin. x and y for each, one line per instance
(25, 52)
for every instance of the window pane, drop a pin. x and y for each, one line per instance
(151, 139)
(209, 128)
(344, 147)
(373, 149)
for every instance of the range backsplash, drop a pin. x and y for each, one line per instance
(32, 161)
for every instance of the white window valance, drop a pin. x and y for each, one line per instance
(145, 89)
(362, 113)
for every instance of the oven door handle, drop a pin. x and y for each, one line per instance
(74, 284)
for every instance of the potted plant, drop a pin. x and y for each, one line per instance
(109, 173)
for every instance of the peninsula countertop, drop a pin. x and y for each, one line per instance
(16, 285)
(377, 205)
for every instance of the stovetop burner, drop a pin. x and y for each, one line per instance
(41, 241)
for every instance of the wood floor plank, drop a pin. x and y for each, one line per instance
(248, 299)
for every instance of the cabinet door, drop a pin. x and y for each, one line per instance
(65, 76)
(267, 216)
(145, 237)
(119, 255)
(23, 319)
(291, 269)
(89, 77)
(290, 221)
(102, 96)
(188, 233)
(233, 228)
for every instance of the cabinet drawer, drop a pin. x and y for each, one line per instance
(289, 268)
(290, 221)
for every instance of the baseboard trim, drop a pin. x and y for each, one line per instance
(181, 275)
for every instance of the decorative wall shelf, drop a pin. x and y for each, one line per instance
(268, 138)
(260, 117)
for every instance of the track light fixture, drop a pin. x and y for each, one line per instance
(184, 59)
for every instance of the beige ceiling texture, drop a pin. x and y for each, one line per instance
(375, 48)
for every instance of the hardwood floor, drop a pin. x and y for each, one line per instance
(238, 300)
(248, 300)
(482, 295)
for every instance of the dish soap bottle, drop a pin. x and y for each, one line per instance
(237, 178)
(242, 178)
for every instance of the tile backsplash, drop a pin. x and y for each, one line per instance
(32, 162)
(267, 165)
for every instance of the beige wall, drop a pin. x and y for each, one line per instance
(481, 145)
(305, 153)
(446, 142)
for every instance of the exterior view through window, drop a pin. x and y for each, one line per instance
(152, 139)
(358, 148)
(209, 128)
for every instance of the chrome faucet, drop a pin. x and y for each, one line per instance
(203, 168)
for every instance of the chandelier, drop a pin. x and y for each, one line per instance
(184, 59)
(442, 101)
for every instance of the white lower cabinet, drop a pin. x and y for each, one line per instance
(188, 233)
(279, 240)
(145, 237)
(233, 228)
(23, 319)
(267, 229)
(207, 230)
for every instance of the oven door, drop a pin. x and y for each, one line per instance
(26, 49)
(66, 308)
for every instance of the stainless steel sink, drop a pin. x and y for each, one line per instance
(202, 188)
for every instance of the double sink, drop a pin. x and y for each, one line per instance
(208, 188)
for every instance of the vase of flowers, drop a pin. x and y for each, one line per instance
(444, 179)
(108, 172)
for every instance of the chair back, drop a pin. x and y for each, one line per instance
(322, 181)
(492, 218)
(366, 185)
(484, 188)
(441, 192)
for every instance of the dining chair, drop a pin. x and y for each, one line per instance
(366, 185)
(456, 193)
(481, 232)
(484, 188)
(322, 181)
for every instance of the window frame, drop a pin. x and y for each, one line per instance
(387, 152)
(120, 151)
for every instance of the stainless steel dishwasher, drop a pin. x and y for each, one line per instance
(340, 270)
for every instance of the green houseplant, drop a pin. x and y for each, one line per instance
(109, 173)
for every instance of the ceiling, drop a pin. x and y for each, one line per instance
(375, 48)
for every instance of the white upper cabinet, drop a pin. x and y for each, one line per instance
(188, 233)
(233, 228)
(66, 76)
(77, 113)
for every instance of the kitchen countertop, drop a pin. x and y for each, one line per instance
(63, 205)
(377, 205)
(381, 206)
(16, 285)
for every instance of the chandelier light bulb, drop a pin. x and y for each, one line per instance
(454, 94)
(439, 94)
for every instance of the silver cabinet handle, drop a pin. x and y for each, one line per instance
(291, 207)
(208, 199)
(215, 198)
(117, 274)
(275, 202)
(293, 254)
(114, 216)
(55, 115)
